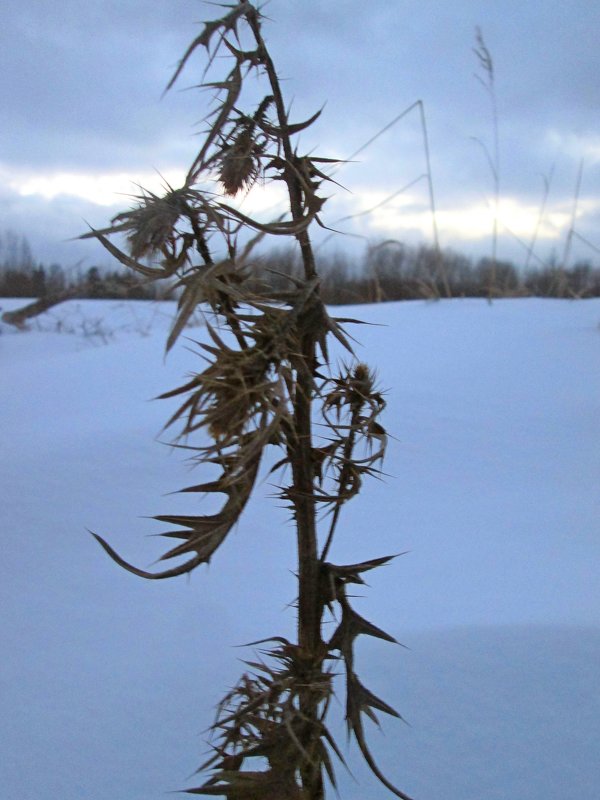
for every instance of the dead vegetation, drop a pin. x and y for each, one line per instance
(267, 381)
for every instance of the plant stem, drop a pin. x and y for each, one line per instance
(303, 494)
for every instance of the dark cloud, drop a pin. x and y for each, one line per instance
(82, 83)
(81, 87)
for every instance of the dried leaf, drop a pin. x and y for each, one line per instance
(127, 261)
(290, 129)
(205, 534)
(225, 24)
(353, 625)
(351, 572)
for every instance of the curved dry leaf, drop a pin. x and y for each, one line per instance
(205, 534)
(353, 625)
(127, 261)
(226, 24)
(291, 128)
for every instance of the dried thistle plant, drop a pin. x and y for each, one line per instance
(267, 386)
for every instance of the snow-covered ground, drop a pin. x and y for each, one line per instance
(108, 681)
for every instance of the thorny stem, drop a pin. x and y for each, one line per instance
(243, 398)
(293, 184)
(303, 498)
(343, 479)
(203, 250)
(302, 466)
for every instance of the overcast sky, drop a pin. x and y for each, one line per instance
(82, 114)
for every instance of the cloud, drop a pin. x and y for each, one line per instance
(100, 189)
(577, 146)
(51, 226)
(82, 109)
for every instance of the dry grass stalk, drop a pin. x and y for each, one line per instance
(264, 388)
(488, 81)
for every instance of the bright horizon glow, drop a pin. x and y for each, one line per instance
(474, 222)
(471, 223)
(585, 147)
(104, 189)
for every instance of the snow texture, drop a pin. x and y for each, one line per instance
(108, 681)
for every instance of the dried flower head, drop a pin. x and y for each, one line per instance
(243, 149)
(240, 161)
(362, 380)
(151, 224)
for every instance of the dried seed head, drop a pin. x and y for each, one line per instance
(240, 163)
(152, 223)
(362, 380)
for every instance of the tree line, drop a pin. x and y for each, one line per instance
(383, 272)
(393, 271)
